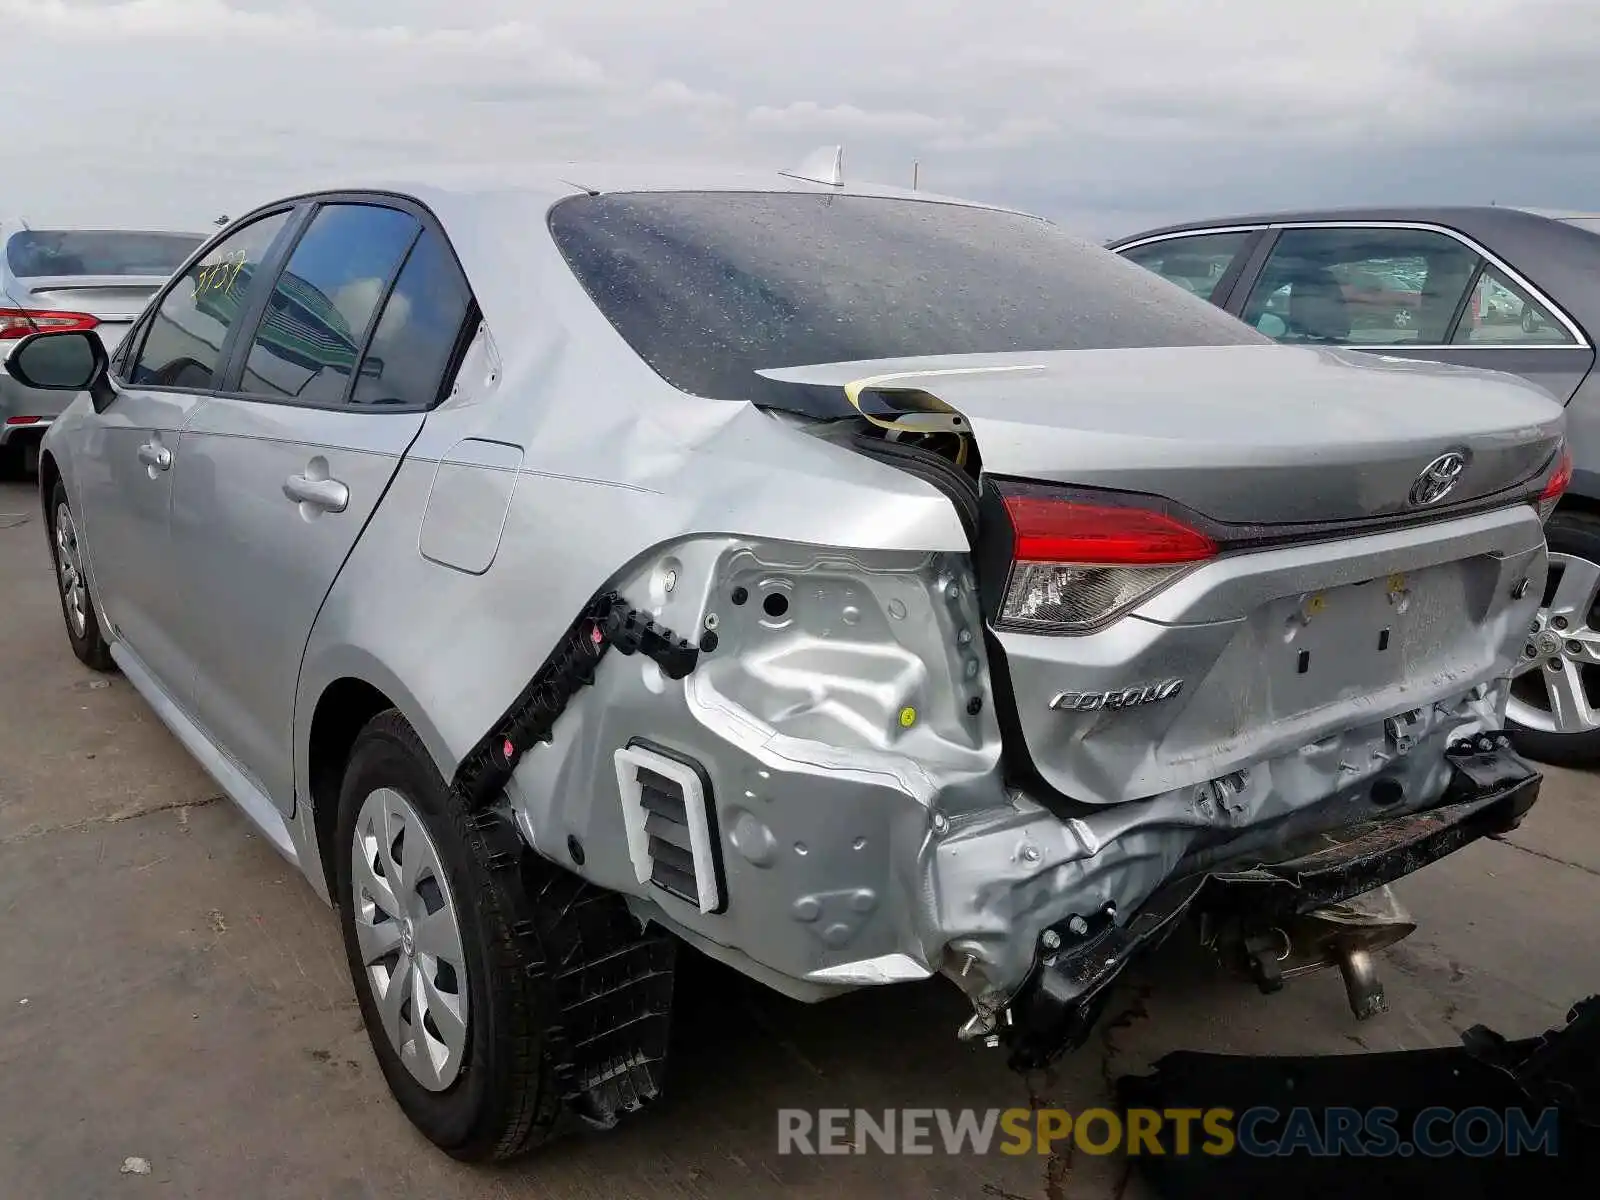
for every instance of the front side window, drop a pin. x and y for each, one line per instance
(1500, 311)
(306, 345)
(1367, 287)
(183, 348)
(416, 337)
(1196, 264)
(710, 288)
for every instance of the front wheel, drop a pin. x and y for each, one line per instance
(456, 1019)
(77, 603)
(1555, 696)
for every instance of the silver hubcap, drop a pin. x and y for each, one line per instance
(410, 939)
(1549, 695)
(69, 571)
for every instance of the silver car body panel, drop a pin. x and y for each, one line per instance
(865, 821)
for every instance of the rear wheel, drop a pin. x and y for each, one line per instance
(1555, 696)
(72, 583)
(455, 1018)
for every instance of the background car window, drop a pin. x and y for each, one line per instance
(1361, 286)
(1500, 311)
(709, 288)
(184, 345)
(305, 347)
(45, 252)
(416, 336)
(1196, 264)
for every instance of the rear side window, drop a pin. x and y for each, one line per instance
(184, 345)
(1362, 286)
(416, 338)
(1196, 264)
(306, 345)
(33, 253)
(708, 288)
(1501, 312)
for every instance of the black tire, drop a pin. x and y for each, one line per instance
(505, 1099)
(90, 645)
(1577, 534)
(10, 463)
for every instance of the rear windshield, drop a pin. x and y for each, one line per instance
(35, 252)
(710, 287)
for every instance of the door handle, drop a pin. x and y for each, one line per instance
(327, 494)
(152, 455)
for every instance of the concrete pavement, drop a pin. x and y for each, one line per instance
(172, 991)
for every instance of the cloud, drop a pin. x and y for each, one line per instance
(810, 117)
(1105, 115)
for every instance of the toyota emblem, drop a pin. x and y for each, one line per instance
(1439, 478)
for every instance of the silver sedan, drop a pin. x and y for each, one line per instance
(855, 585)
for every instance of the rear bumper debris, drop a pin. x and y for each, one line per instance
(1078, 961)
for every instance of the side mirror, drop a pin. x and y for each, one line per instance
(72, 360)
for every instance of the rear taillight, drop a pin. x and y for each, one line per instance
(1555, 487)
(1077, 564)
(20, 322)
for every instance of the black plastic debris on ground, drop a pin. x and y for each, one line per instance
(1559, 1070)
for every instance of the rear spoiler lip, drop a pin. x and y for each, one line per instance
(81, 283)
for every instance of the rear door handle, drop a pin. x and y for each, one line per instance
(152, 455)
(327, 494)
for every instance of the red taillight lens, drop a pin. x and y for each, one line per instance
(1053, 530)
(20, 322)
(1076, 565)
(1555, 487)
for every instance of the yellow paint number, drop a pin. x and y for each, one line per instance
(220, 275)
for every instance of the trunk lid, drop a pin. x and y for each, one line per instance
(1242, 434)
(116, 300)
(1304, 652)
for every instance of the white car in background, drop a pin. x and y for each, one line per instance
(61, 279)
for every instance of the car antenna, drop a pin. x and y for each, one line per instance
(823, 165)
(221, 221)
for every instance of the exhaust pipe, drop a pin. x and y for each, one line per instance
(1345, 935)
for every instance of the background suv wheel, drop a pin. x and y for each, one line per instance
(1555, 696)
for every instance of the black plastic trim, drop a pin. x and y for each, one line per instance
(713, 828)
(1057, 1006)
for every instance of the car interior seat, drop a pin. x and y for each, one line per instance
(1318, 311)
(1191, 270)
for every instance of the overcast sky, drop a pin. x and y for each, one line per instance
(1107, 116)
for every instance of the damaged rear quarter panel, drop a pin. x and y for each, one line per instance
(618, 469)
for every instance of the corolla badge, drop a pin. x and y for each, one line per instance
(1439, 478)
(1116, 698)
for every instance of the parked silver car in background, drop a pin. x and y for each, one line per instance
(52, 278)
(1490, 287)
(856, 585)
